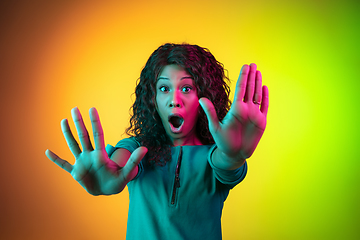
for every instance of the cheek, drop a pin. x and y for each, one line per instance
(194, 109)
(159, 108)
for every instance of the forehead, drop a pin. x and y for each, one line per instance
(173, 72)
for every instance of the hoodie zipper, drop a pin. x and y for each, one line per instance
(177, 178)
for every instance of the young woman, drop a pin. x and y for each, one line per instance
(188, 144)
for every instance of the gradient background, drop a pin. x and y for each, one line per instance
(303, 180)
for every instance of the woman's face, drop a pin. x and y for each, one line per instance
(177, 104)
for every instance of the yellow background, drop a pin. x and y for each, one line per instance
(303, 180)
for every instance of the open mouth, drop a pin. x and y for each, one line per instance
(176, 122)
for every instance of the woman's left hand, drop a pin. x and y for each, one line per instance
(241, 129)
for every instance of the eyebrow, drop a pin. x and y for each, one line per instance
(165, 78)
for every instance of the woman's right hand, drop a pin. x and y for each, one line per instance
(93, 169)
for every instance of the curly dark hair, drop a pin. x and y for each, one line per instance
(210, 81)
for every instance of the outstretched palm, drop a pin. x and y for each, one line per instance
(240, 131)
(93, 169)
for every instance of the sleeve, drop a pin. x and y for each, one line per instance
(227, 177)
(129, 144)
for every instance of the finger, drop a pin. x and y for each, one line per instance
(250, 86)
(60, 162)
(81, 130)
(133, 161)
(265, 100)
(241, 84)
(258, 88)
(97, 129)
(69, 137)
(210, 112)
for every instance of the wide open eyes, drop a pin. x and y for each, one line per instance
(185, 89)
(163, 89)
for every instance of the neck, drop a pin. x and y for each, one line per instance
(194, 140)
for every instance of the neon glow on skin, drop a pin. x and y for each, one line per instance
(176, 94)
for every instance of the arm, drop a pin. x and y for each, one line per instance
(93, 169)
(222, 161)
(239, 133)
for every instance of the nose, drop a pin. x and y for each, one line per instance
(173, 104)
(175, 100)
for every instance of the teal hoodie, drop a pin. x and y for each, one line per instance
(181, 200)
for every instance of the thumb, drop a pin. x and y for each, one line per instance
(210, 112)
(134, 160)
